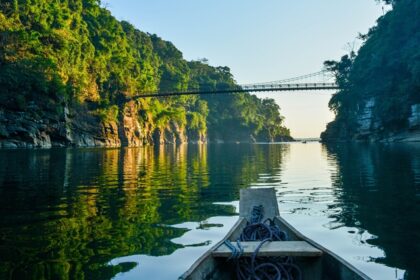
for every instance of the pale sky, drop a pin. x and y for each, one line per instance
(261, 41)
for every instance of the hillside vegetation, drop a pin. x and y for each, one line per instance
(66, 66)
(380, 85)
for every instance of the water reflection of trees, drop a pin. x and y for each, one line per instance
(379, 188)
(67, 213)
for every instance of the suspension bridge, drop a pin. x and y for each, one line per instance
(321, 80)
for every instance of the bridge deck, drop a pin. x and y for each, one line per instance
(247, 88)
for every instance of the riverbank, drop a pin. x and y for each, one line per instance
(379, 98)
(369, 127)
(79, 128)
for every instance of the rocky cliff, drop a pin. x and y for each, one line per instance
(369, 127)
(78, 127)
(69, 68)
(379, 96)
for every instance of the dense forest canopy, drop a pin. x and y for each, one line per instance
(386, 69)
(75, 53)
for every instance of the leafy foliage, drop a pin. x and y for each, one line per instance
(244, 114)
(386, 68)
(54, 53)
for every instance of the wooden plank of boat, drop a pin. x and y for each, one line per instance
(327, 266)
(255, 197)
(207, 267)
(332, 265)
(271, 249)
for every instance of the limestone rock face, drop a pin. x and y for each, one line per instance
(38, 129)
(130, 129)
(365, 118)
(78, 127)
(85, 130)
(179, 133)
(159, 137)
(197, 137)
(22, 130)
(172, 134)
(414, 119)
(370, 128)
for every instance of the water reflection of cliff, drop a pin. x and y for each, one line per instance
(378, 184)
(67, 213)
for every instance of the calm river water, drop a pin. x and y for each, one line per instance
(148, 213)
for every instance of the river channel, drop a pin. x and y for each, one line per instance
(149, 213)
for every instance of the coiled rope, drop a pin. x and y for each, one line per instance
(261, 268)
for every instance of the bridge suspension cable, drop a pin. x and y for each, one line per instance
(280, 85)
(326, 75)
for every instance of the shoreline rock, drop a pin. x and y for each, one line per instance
(78, 127)
(369, 128)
